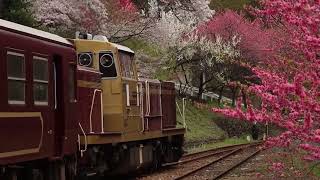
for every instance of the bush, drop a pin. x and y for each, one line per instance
(238, 128)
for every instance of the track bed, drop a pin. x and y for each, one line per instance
(209, 164)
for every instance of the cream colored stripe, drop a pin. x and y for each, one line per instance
(20, 152)
(19, 114)
(88, 84)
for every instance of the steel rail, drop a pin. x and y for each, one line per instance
(208, 164)
(196, 158)
(221, 148)
(222, 174)
(233, 151)
(212, 152)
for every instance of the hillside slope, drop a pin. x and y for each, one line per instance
(200, 125)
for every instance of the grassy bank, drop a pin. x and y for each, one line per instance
(202, 130)
(200, 125)
(225, 142)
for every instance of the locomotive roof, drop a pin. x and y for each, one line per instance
(122, 48)
(34, 32)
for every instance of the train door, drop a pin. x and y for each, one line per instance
(132, 118)
(131, 97)
(58, 105)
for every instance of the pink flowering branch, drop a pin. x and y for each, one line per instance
(290, 81)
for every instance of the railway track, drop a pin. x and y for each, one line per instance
(197, 165)
(208, 153)
(228, 160)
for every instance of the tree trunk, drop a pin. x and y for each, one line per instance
(244, 98)
(234, 94)
(220, 95)
(201, 86)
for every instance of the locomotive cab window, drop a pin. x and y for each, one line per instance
(40, 80)
(107, 65)
(127, 64)
(85, 59)
(16, 78)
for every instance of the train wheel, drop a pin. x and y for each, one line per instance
(13, 175)
(55, 171)
(71, 168)
(38, 174)
(157, 159)
(10, 175)
(26, 173)
(19, 173)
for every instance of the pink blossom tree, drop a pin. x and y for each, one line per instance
(289, 89)
(257, 44)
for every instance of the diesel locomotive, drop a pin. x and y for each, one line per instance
(75, 108)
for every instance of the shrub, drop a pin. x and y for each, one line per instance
(237, 128)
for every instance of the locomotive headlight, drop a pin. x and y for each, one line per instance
(85, 59)
(106, 60)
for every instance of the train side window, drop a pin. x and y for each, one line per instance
(16, 77)
(127, 64)
(40, 80)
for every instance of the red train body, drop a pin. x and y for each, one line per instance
(30, 128)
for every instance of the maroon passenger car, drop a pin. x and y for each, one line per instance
(38, 96)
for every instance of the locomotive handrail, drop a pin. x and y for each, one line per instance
(147, 98)
(141, 106)
(55, 85)
(85, 141)
(91, 110)
(160, 100)
(182, 114)
(147, 102)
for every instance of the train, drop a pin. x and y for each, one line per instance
(76, 108)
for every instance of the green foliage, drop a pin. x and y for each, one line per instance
(236, 128)
(237, 5)
(163, 74)
(316, 169)
(200, 124)
(214, 103)
(147, 48)
(226, 142)
(204, 131)
(18, 11)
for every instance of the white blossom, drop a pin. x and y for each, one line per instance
(71, 14)
(180, 19)
(211, 52)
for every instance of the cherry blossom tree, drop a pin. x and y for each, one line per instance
(126, 21)
(289, 88)
(71, 15)
(257, 43)
(199, 60)
(117, 19)
(177, 18)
